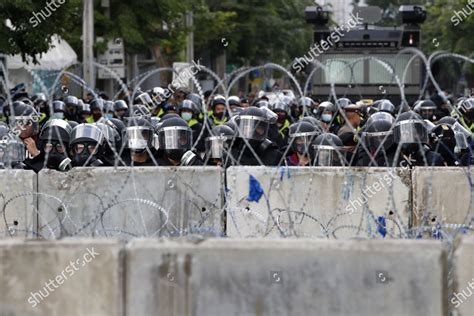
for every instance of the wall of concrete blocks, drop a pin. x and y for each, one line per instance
(221, 276)
(302, 202)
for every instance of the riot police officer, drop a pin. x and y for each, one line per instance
(252, 148)
(411, 135)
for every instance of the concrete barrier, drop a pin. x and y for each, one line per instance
(131, 202)
(75, 277)
(18, 203)
(318, 202)
(462, 297)
(286, 277)
(442, 195)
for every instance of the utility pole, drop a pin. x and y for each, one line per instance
(109, 83)
(87, 43)
(190, 38)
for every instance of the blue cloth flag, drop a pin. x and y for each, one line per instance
(255, 190)
(382, 226)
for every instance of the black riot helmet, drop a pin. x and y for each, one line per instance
(55, 136)
(328, 150)
(280, 107)
(139, 134)
(314, 121)
(342, 103)
(120, 105)
(219, 141)
(85, 142)
(253, 124)
(120, 108)
(72, 104)
(306, 102)
(188, 105)
(326, 111)
(196, 99)
(448, 120)
(378, 132)
(386, 106)
(410, 129)
(24, 119)
(175, 137)
(59, 110)
(97, 104)
(427, 110)
(302, 135)
(84, 108)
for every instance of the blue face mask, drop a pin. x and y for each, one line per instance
(326, 118)
(58, 115)
(109, 116)
(186, 116)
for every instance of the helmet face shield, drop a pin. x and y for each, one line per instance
(139, 137)
(462, 142)
(253, 127)
(12, 151)
(328, 156)
(378, 140)
(302, 143)
(87, 132)
(216, 146)
(175, 137)
(410, 132)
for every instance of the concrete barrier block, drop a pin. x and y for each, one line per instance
(318, 202)
(442, 195)
(286, 277)
(131, 202)
(69, 277)
(462, 298)
(18, 203)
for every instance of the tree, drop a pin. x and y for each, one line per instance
(31, 25)
(257, 31)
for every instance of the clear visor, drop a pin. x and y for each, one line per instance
(253, 128)
(175, 138)
(156, 142)
(375, 140)
(87, 131)
(328, 156)
(12, 152)
(462, 142)
(302, 144)
(139, 137)
(215, 146)
(461, 129)
(410, 132)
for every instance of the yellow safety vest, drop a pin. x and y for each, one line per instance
(282, 129)
(192, 122)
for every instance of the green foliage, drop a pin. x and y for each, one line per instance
(27, 37)
(256, 31)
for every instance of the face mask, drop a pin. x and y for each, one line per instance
(175, 154)
(57, 161)
(219, 115)
(80, 160)
(187, 116)
(326, 118)
(58, 115)
(109, 116)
